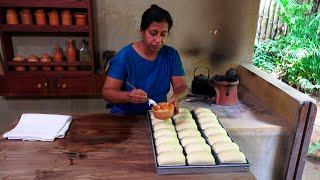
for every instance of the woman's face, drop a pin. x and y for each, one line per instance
(155, 36)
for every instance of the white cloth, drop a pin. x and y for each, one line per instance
(42, 127)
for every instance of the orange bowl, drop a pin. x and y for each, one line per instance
(163, 111)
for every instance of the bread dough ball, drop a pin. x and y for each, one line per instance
(169, 147)
(224, 146)
(214, 130)
(218, 138)
(209, 124)
(181, 119)
(183, 110)
(232, 156)
(191, 139)
(164, 139)
(206, 119)
(156, 121)
(188, 132)
(159, 126)
(164, 132)
(186, 114)
(201, 109)
(203, 114)
(186, 125)
(171, 158)
(197, 146)
(200, 158)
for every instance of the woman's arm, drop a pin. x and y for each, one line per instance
(180, 91)
(111, 92)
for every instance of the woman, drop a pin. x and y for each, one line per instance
(149, 65)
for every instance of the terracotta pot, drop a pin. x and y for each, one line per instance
(45, 58)
(33, 58)
(12, 17)
(226, 90)
(26, 16)
(54, 18)
(81, 19)
(58, 57)
(19, 58)
(66, 17)
(41, 18)
(71, 54)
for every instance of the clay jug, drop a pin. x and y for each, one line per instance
(71, 54)
(41, 18)
(66, 17)
(46, 59)
(58, 57)
(54, 18)
(12, 17)
(26, 16)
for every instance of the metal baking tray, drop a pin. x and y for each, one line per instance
(195, 169)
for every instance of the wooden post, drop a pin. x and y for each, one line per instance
(264, 20)
(270, 19)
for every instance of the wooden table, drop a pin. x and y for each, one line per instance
(102, 146)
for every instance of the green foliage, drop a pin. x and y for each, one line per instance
(313, 147)
(294, 58)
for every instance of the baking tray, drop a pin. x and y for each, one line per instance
(195, 169)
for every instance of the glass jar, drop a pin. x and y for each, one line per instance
(84, 54)
(12, 17)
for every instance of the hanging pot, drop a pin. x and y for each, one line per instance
(200, 83)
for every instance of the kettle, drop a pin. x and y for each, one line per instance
(200, 83)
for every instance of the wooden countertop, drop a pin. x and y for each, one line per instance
(102, 146)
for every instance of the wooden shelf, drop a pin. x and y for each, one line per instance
(78, 63)
(45, 3)
(78, 73)
(43, 28)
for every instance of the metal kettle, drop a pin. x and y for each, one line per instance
(200, 83)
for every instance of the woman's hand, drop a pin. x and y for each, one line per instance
(175, 101)
(137, 96)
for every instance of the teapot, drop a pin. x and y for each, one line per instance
(200, 83)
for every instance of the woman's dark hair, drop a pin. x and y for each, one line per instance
(155, 13)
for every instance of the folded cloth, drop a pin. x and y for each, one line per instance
(42, 127)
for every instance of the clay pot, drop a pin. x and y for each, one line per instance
(54, 18)
(58, 57)
(19, 58)
(81, 19)
(226, 89)
(33, 58)
(41, 18)
(26, 16)
(71, 54)
(12, 17)
(163, 110)
(66, 17)
(45, 58)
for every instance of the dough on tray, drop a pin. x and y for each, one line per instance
(186, 125)
(181, 119)
(200, 158)
(191, 139)
(186, 113)
(214, 130)
(156, 121)
(159, 126)
(164, 139)
(171, 158)
(183, 110)
(209, 124)
(201, 109)
(232, 156)
(224, 146)
(169, 147)
(197, 146)
(164, 132)
(206, 119)
(188, 132)
(218, 138)
(203, 114)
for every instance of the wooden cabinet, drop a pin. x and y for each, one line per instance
(84, 81)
